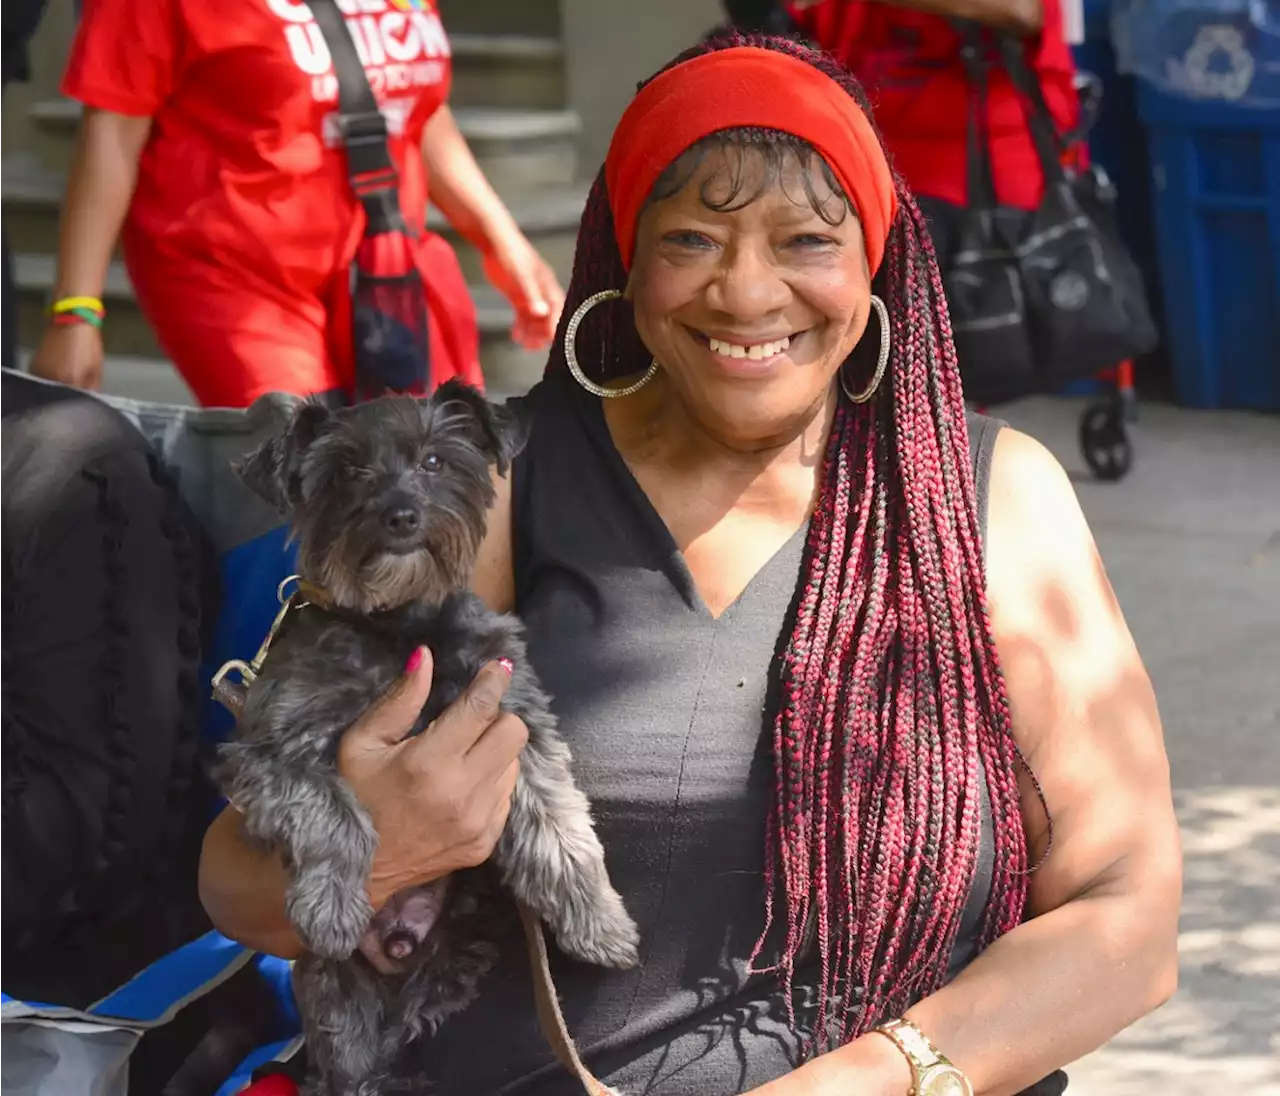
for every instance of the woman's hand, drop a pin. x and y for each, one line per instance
(525, 279)
(70, 353)
(438, 801)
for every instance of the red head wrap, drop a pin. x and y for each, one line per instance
(747, 87)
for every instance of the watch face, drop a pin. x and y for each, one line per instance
(944, 1080)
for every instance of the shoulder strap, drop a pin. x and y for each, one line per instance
(982, 445)
(980, 182)
(1044, 134)
(370, 168)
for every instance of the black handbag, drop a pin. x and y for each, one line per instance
(388, 295)
(1037, 299)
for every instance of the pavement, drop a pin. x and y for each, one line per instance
(1191, 540)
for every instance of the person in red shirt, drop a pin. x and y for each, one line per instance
(209, 149)
(906, 54)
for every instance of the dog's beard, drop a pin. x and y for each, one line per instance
(368, 580)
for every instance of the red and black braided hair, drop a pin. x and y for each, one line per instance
(891, 705)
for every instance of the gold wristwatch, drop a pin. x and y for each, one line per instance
(932, 1073)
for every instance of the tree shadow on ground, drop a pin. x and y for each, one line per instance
(1219, 1033)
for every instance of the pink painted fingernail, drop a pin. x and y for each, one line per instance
(415, 660)
(507, 665)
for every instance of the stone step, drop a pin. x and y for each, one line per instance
(507, 70)
(533, 17)
(156, 381)
(508, 368)
(32, 197)
(516, 148)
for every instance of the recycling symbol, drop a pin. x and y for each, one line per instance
(1217, 65)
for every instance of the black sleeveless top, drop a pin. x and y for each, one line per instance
(666, 710)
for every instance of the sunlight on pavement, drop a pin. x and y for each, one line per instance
(1221, 1031)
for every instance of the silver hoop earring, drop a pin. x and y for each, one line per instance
(571, 352)
(881, 362)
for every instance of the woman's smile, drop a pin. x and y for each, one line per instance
(746, 356)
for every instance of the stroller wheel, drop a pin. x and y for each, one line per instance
(1105, 442)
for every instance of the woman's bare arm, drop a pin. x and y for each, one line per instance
(100, 185)
(464, 195)
(1100, 949)
(459, 187)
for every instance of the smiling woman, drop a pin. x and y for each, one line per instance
(754, 265)
(805, 674)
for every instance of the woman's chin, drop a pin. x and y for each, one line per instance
(760, 413)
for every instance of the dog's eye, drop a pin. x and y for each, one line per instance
(432, 463)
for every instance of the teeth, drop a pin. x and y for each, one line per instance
(755, 353)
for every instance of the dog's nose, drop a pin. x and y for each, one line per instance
(400, 520)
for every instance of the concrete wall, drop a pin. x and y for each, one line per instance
(611, 45)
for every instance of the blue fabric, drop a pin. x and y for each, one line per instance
(179, 975)
(251, 573)
(151, 993)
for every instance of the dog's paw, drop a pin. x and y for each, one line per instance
(601, 933)
(329, 915)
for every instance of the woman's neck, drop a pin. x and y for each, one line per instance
(655, 429)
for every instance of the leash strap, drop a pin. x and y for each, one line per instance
(547, 1003)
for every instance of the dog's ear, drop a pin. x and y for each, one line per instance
(270, 471)
(500, 432)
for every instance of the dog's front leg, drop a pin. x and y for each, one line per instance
(332, 846)
(549, 853)
(324, 836)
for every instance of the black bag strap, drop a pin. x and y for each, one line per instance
(1049, 143)
(370, 168)
(980, 179)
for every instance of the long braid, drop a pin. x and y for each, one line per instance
(891, 702)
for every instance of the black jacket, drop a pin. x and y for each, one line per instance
(106, 585)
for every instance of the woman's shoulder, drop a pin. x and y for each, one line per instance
(552, 415)
(1041, 553)
(1028, 481)
(547, 401)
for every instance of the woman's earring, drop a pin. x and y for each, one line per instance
(571, 352)
(881, 362)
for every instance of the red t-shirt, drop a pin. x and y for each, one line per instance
(244, 170)
(909, 63)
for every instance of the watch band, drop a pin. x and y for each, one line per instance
(920, 1053)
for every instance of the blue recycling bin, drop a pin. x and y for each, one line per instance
(1208, 82)
(1216, 196)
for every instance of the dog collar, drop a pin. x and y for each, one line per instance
(312, 593)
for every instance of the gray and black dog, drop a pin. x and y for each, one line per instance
(388, 503)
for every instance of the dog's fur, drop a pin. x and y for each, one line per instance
(388, 503)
